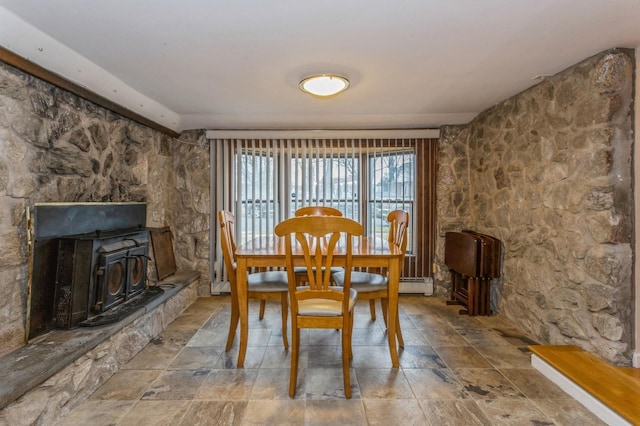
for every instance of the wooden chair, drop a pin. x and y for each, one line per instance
(320, 305)
(317, 211)
(371, 286)
(301, 271)
(270, 285)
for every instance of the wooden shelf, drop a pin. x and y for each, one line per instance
(616, 387)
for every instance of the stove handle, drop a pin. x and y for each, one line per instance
(99, 289)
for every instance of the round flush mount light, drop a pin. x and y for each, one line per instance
(324, 85)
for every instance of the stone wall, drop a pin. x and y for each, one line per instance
(549, 172)
(57, 147)
(77, 380)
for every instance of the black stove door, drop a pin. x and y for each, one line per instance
(136, 270)
(112, 280)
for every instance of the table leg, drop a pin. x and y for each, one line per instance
(392, 320)
(243, 308)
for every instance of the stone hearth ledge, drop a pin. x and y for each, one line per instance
(47, 377)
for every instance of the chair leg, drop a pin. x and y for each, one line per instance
(384, 303)
(351, 337)
(284, 306)
(295, 349)
(233, 324)
(372, 308)
(346, 355)
(399, 332)
(263, 302)
(385, 306)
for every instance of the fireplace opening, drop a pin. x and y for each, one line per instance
(97, 272)
(90, 263)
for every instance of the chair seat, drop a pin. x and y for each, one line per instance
(363, 282)
(270, 281)
(324, 307)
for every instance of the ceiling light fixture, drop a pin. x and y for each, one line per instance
(324, 85)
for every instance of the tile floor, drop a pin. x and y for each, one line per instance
(455, 370)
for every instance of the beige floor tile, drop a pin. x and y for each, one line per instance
(176, 385)
(442, 336)
(532, 383)
(405, 412)
(324, 337)
(153, 357)
(210, 337)
(486, 383)
(369, 336)
(383, 383)
(512, 412)
(126, 385)
(206, 413)
(228, 384)
(335, 412)
(420, 357)
(482, 336)
(328, 383)
(453, 412)
(465, 322)
(325, 356)
(277, 357)
(155, 413)
(412, 335)
(218, 321)
(515, 337)
(273, 383)
(462, 357)
(196, 358)
(505, 356)
(424, 321)
(371, 357)
(567, 411)
(286, 412)
(161, 351)
(252, 359)
(97, 413)
(435, 383)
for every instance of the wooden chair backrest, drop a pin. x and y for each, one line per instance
(227, 240)
(399, 221)
(317, 238)
(318, 211)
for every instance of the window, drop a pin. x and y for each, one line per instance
(263, 181)
(391, 187)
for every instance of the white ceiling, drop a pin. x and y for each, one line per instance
(236, 64)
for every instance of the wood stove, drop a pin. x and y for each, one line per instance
(89, 264)
(97, 272)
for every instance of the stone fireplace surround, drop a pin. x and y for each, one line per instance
(57, 147)
(46, 378)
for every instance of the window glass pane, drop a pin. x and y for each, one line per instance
(256, 196)
(322, 177)
(391, 187)
(325, 181)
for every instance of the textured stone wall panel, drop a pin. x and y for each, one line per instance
(549, 173)
(57, 147)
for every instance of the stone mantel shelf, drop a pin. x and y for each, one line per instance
(34, 363)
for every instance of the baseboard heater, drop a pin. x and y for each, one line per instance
(416, 285)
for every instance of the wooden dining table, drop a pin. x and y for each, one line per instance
(269, 252)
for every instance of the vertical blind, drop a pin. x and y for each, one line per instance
(263, 181)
